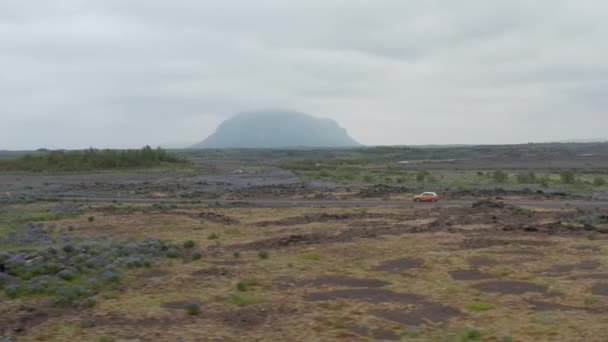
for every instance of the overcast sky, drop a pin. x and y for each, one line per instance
(118, 73)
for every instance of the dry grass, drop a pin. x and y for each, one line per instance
(283, 314)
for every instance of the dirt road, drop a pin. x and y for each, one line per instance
(343, 203)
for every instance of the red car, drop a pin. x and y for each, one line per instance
(426, 197)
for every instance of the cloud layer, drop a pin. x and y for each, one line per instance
(115, 73)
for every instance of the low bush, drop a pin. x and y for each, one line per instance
(244, 285)
(244, 300)
(87, 323)
(500, 176)
(311, 256)
(263, 255)
(90, 302)
(91, 159)
(479, 306)
(192, 308)
(189, 244)
(172, 253)
(526, 177)
(196, 255)
(567, 177)
(469, 334)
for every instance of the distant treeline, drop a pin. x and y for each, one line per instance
(91, 159)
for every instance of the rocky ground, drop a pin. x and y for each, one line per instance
(236, 184)
(196, 272)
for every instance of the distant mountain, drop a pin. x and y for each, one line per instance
(277, 129)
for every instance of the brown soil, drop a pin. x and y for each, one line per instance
(218, 218)
(344, 281)
(179, 305)
(21, 319)
(212, 272)
(546, 306)
(427, 314)
(469, 275)
(399, 265)
(520, 252)
(320, 217)
(245, 318)
(599, 276)
(509, 287)
(322, 237)
(226, 262)
(367, 295)
(154, 273)
(587, 265)
(375, 334)
(600, 289)
(148, 322)
(480, 261)
(588, 248)
(483, 242)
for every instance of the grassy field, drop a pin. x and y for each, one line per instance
(322, 274)
(90, 160)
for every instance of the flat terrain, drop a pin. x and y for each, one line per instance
(416, 273)
(253, 250)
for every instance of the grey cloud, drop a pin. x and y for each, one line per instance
(125, 73)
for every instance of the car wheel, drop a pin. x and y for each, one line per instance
(434, 200)
(417, 200)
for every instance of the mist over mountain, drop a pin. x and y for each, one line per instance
(277, 129)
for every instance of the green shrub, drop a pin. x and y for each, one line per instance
(91, 218)
(311, 256)
(87, 323)
(411, 332)
(244, 300)
(421, 175)
(479, 306)
(263, 255)
(567, 177)
(526, 177)
(544, 181)
(90, 302)
(338, 323)
(192, 308)
(213, 236)
(323, 173)
(599, 181)
(67, 275)
(12, 291)
(236, 254)
(172, 253)
(90, 159)
(189, 244)
(469, 334)
(522, 211)
(244, 285)
(500, 176)
(197, 256)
